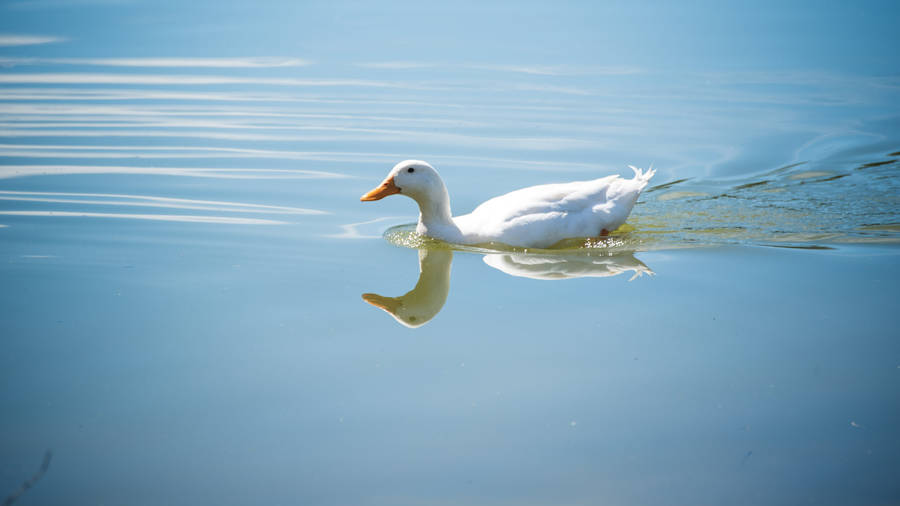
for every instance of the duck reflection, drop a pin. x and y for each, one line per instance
(418, 306)
(426, 299)
(550, 267)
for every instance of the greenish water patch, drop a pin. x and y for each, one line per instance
(800, 246)
(665, 185)
(876, 164)
(810, 174)
(750, 185)
(681, 195)
(892, 227)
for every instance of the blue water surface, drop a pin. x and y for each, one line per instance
(197, 309)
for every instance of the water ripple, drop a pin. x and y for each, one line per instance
(160, 62)
(11, 171)
(227, 220)
(151, 201)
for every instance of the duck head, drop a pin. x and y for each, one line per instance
(420, 182)
(414, 178)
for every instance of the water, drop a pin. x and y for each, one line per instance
(197, 309)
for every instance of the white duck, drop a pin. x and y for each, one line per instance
(533, 217)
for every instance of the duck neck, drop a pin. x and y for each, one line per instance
(434, 212)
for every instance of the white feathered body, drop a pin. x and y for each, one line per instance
(540, 216)
(534, 217)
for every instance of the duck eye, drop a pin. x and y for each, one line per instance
(410, 170)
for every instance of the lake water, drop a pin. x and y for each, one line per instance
(197, 309)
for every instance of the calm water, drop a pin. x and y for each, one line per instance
(198, 310)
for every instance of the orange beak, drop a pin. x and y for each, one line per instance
(387, 187)
(389, 304)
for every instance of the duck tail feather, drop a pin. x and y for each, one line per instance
(641, 175)
(640, 271)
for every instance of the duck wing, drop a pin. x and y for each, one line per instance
(539, 216)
